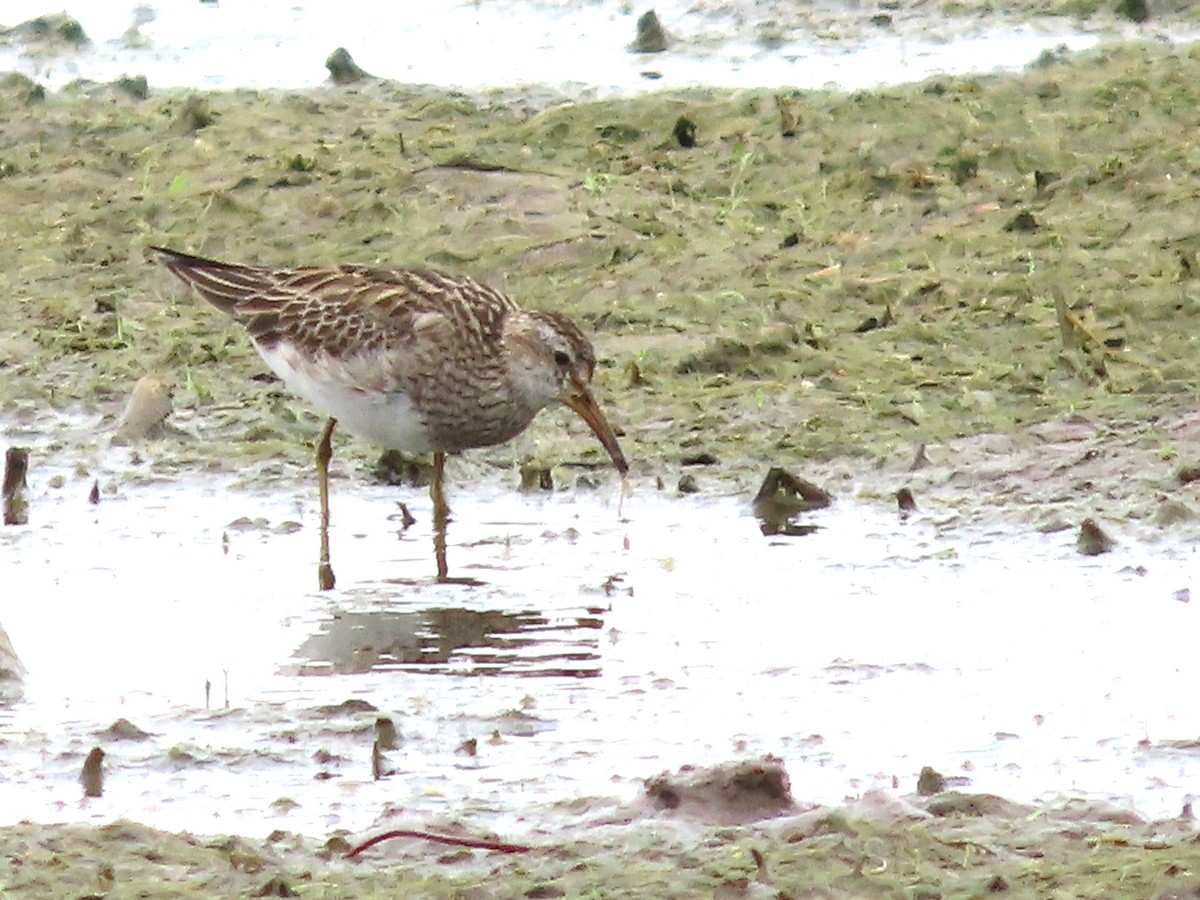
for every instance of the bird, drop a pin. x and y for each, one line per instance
(410, 359)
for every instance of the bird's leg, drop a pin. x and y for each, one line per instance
(441, 514)
(324, 454)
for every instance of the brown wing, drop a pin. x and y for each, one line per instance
(347, 308)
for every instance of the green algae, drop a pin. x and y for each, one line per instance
(830, 855)
(49, 32)
(844, 291)
(854, 288)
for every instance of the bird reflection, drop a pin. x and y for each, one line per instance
(454, 641)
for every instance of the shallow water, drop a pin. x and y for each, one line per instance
(574, 47)
(611, 641)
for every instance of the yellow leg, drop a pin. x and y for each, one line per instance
(324, 454)
(441, 514)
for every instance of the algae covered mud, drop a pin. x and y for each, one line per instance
(885, 274)
(1000, 270)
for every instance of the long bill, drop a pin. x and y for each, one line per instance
(585, 405)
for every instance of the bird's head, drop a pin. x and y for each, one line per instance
(553, 363)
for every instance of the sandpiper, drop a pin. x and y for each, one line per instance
(410, 359)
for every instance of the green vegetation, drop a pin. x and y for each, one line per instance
(886, 276)
(960, 257)
(822, 855)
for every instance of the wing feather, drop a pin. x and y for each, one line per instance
(347, 310)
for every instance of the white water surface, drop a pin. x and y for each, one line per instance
(858, 654)
(615, 641)
(580, 48)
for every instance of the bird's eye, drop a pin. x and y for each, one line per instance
(562, 359)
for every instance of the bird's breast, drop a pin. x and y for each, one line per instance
(384, 414)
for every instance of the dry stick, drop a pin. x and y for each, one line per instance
(1077, 335)
(325, 579)
(472, 843)
(16, 504)
(377, 770)
(1073, 330)
(92, 775)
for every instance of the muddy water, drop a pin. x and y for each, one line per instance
(610, 640)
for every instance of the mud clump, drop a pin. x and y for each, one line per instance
(1093, 540)
(343, 69)
(954, 803)
(783, 496)
(536, 478)
(398, 470)
(930, 782)
(1170, 513)
(276, 886)
(92, 776)
(57, 30)
(733, 792)
(651, 36)
(195, 115)
(15, 493)
(146, 411)
(1134, 10)
(684, 132)
(12, 671)
(352, 707)
(749, 359)
(135, 86)
(21, 88)
(124, 730)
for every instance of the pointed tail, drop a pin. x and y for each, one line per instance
(225, 285)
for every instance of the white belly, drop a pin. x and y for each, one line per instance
(388, 419)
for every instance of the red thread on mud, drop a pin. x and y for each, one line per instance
(473, 843)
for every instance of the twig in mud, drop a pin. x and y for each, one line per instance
(92, 776)
(16, 503)
(967, 845)
(378, 770)
(472, 843)
(1075, 333)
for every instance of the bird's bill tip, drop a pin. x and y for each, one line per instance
(584, 404)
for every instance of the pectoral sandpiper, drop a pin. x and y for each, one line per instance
(410, 359)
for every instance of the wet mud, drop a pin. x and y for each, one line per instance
(978, 290)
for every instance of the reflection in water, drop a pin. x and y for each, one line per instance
(454, 641)
(823, 655)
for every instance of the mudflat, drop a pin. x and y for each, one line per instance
(1001, 269)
